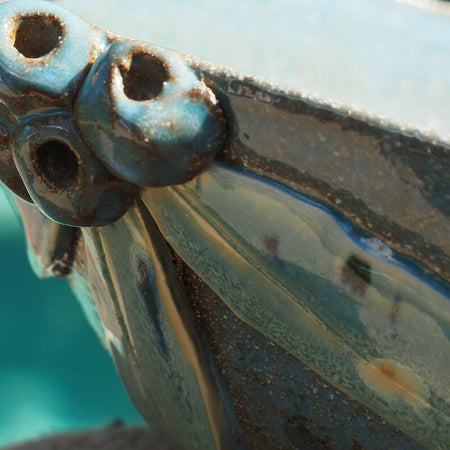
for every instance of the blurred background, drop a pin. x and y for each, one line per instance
(384, 56)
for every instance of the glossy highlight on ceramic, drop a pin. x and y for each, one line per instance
(231, 243)
(134, 133)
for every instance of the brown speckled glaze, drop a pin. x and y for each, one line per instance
(279, 401)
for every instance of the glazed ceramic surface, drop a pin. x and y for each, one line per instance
(268, 270)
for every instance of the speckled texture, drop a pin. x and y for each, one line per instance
(148, 116)
(63, 176)
(388, 180)
(345, 158)
(239, 234)
(32, 83)
(280, 402)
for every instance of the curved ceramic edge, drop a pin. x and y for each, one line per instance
(52, 80)
(133, 109)
(63, 176)
(342, 304)
(57, 73)
(131, 293)
(391, 181)
(50, 245)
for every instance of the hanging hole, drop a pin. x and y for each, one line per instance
(57, 164)
(145, 78)
(37, 35)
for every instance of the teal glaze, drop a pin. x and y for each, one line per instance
(163, 140)
(148, 328)
(332, 295)
(141, 137)
(89, 196)
(55, 77)
(281, 263)
(33, 83)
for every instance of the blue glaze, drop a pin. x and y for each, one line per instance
(56, 76)
(151, 332)
(163, 140)
(28, 83)
(86, 195)
(336, 299)
(359, 237)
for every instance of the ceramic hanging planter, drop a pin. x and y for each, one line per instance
(266, 270)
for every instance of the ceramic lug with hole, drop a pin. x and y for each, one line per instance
(133, 109)
(45, 52)
(64, 178)
(38, 39)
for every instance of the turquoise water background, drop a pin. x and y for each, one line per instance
(54, 373)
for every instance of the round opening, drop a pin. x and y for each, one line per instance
(37, 35)
(56, 163)
(145, 78)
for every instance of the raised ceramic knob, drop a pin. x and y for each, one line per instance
(147, 115)
(45, 53)
(62, 175)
